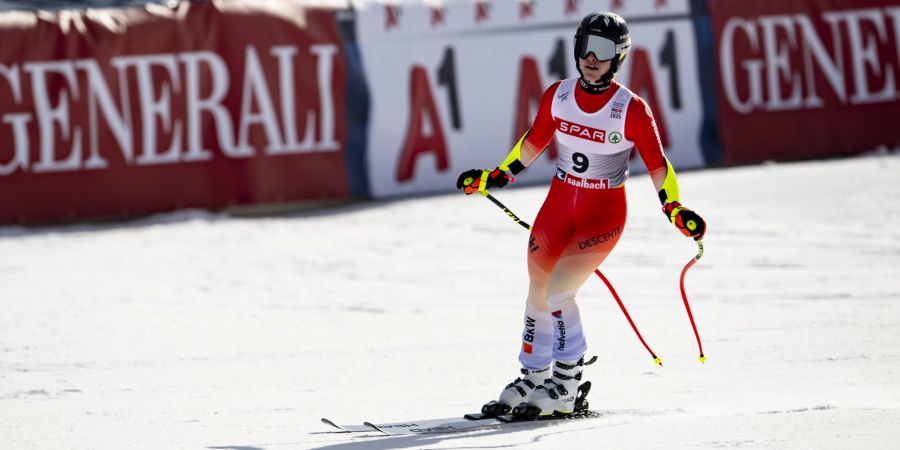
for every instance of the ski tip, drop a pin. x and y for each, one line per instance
(702, 359)
(374, 427)
(332, 424)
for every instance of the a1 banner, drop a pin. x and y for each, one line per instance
(118, 112)
(455, 84)
(805, 79)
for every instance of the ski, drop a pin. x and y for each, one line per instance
(468, 423)
(449, 425)
(584, 414)
(477, 420)
(348, 428)
(416, 427)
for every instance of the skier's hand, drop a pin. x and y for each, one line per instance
(687, 221)
(475, 180)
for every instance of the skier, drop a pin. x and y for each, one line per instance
(596, 122)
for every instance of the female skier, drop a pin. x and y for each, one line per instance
(596, 122)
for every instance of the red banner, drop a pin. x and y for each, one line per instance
(804, 79)
(117, 112)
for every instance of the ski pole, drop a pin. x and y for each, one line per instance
(508, 212)
(690, 263)
(615, 295)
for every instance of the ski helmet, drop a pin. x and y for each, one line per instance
(605, 34)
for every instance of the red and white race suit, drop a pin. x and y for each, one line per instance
(583, 215)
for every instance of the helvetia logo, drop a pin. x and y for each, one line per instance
(561, 326)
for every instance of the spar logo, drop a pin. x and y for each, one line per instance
(581, 131)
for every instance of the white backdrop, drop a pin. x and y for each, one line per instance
(488, 41)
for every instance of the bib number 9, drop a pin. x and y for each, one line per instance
(581, 162)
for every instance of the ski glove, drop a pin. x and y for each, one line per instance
(687, 221)
(475, 180)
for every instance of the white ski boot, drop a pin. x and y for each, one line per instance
(517, 392)
(557, 394)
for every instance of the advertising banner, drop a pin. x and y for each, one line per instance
(456, 83)
(117, 112)
(806, 79)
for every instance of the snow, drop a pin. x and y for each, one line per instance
(199, 330)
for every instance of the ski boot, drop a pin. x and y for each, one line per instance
(559, 394)
(517, 392)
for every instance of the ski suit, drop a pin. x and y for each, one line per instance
(583, 215)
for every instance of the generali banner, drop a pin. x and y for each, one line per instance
(806, 79)
(117, 112)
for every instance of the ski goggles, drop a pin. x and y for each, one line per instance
(603, 48)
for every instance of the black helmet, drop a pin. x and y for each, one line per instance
(606, 35)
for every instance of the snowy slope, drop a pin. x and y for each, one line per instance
(200, 331)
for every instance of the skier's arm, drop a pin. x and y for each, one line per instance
(526, 150)
(536, 139)
(641, 128)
